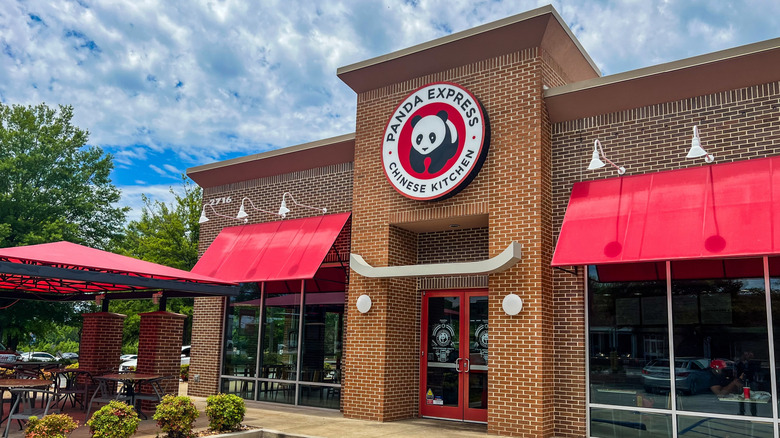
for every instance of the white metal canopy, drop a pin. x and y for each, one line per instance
(508, 258)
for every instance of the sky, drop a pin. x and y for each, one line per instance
(165, 85)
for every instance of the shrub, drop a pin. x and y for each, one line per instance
(225, 412)
(114, 420)
(185, 373)
(50, 426)
(175, 416)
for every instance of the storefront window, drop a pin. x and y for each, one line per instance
(719, 354)
(720, 337)
(298, 363)
(241, 329)
(628, 340)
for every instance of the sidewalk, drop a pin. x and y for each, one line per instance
(283, 421)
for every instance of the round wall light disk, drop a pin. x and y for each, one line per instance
(512, 304)
(364, 303)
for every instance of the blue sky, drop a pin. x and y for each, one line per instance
(168, 85)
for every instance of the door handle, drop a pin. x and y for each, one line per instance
(467, 363)
(457, 364)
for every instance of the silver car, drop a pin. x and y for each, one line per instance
(692, 375)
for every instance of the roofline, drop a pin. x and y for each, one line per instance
(538, 28)
(708, 58)
(273, 153)
(548, 9)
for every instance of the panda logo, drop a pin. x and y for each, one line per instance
(433, 137)
(435, 142)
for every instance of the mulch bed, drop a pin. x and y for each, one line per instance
(209, 432)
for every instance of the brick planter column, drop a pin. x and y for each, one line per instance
(159, 348)
(101, 341)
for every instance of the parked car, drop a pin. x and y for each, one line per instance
(69, 356)
(7, 355)
(133, 363)
(37, 356)
(692, 374)
(126, 357)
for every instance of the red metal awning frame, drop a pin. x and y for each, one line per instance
(278, 251)
(728, 210)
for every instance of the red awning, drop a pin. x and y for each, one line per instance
(271, 251)
(718, 211)
(75, 270)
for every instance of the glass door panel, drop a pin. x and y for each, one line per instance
(443, 358)
(454, 373)
(476, 407)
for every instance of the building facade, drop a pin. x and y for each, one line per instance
(445, 242)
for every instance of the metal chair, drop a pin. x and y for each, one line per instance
(105, 392)
(73, 385)
(24, 405)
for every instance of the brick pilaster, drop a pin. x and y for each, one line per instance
(159, 347)
(101, 341)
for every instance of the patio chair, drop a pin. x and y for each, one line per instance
(105, 392)
(24, 405)
(151, 391)
(74, 386)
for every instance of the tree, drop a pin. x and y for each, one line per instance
(168, 235)
(52, 187)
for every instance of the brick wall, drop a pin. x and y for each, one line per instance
(733, 125)
(101, 341)
(159, 348)
(512, 188)
(329, 187)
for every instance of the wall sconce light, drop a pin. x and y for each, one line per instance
(156, 297)
(283, 210)
(512, 304)
(363, 303)
(696, 149)
(596, 163)
(99, 299)
(203, 217)
(242, 214)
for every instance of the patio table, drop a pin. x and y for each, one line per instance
(8, 384)
(129, 382)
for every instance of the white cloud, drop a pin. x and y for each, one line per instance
(185, 82)
(132, 196)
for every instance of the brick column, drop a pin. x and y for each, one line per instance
(159, 347)
(101, 341)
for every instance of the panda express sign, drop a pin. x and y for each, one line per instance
(435, 142)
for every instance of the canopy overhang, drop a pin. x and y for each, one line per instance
(276, 251)
(719, 211)
(67, 271)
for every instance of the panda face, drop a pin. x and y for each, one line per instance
(428, 134)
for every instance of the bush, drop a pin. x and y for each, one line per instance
(175, 416)
(185, 373)
(50, 426)
(225, 412)
(114, 420)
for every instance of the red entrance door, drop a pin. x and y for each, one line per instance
(453, 369)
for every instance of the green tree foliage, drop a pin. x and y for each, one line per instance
(166, 234)
(52, 187)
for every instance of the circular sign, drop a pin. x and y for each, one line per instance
(435, 142)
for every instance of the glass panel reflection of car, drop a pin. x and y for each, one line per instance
(693, 375)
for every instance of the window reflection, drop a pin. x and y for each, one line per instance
(242, 332)
(628, 341)
(322, 333)
(280, 336)
(275, 317)
(720, 337)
